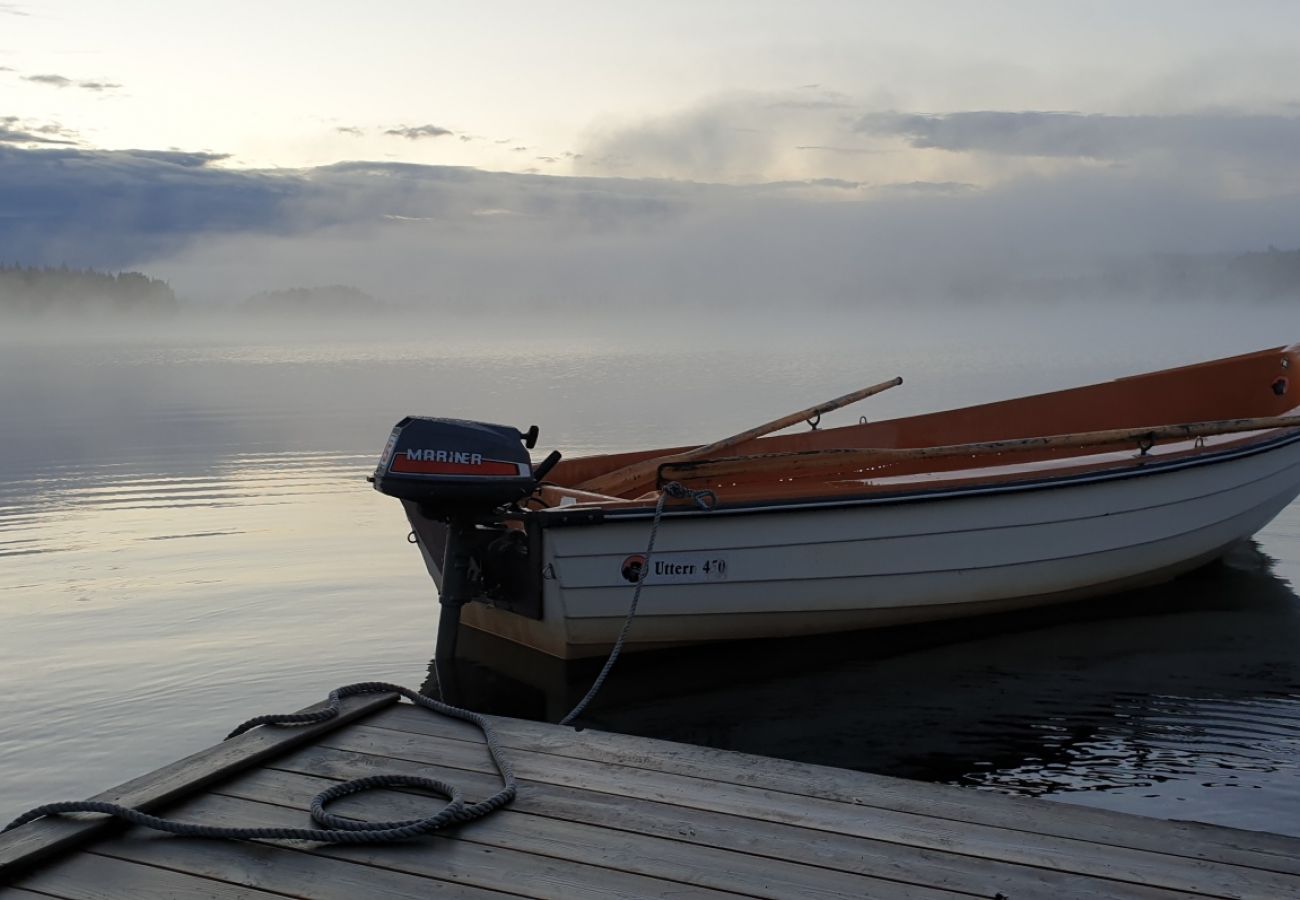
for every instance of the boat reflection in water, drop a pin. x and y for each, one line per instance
(1181, 701)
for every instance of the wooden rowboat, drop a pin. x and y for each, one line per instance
(989, 508)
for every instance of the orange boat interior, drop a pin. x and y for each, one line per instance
(1252, 385)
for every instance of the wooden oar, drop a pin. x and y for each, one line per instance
(848, 459)
(640, 476)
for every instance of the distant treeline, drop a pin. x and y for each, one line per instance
(38, 291)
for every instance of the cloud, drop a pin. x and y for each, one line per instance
(928, 187)
(11, 9)
(810, 104)
(742, 137)
(856, 151)
(61, 81)
(836, 183)
(1095, 136)
(418, 132)
(349, 129)
(182, 158)
(12, 131)
(723, 139)
(57, 81)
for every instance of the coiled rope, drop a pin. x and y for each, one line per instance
(337, 830)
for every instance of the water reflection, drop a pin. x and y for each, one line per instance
(1172, 695)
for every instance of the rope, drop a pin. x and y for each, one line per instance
(704, 500)
(336, 830)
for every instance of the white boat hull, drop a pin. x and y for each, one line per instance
(811, 568)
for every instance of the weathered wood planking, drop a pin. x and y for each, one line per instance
(89, 877)
(440, 862)
(44, 837)
(602, 815)
(1194, 839)
(711, 849)
(1094, 858)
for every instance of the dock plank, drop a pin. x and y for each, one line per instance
(435, 859)
(1196, 876)
(283, 869)
(655, 856)
(1210, 842)
(45, 837)
(90, 877)
(785, 860)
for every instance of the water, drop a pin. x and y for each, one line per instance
(186, 539)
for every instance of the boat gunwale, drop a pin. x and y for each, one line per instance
(557, 517)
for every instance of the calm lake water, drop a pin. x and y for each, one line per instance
(187, 539)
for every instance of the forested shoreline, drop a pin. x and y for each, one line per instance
(1272, 275)
(37, 291)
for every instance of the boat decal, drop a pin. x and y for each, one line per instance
(675, 568)
(429, 462)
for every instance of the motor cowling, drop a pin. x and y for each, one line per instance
(456, 468)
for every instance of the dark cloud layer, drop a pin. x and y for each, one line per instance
(1068, 134)
(85, 207)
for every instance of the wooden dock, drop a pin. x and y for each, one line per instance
(604, 815)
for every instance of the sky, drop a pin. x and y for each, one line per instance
(134, 134)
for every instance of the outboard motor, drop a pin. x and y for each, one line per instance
(452, 467)
(468, 475)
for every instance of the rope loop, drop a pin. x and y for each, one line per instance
(334, 830)
(454, 807)
(704, 499)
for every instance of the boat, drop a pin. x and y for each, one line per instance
(1003, 506)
